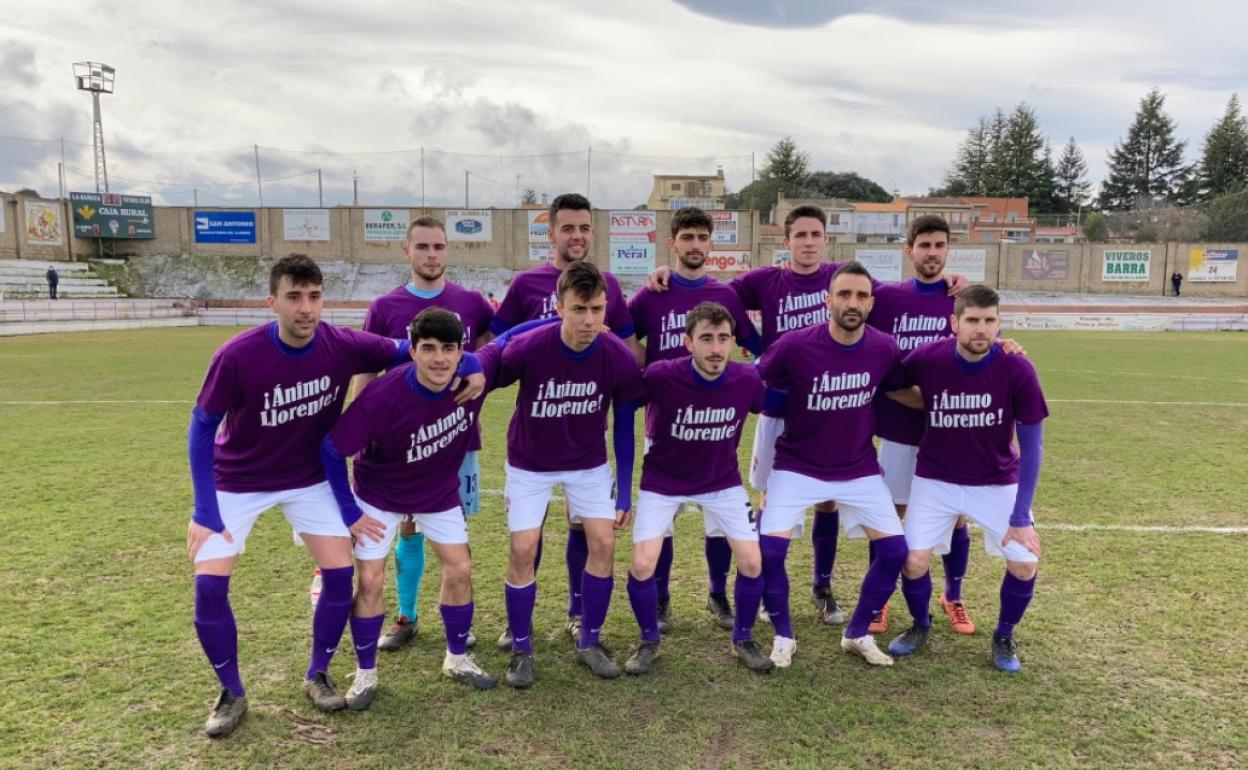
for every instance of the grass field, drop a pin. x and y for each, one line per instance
(1134, 649)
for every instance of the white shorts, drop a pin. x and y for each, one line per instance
(766, 431)
(310, 510)
(936, 505)
(671, 527)
(526, 494)
(726, 513)
(863, 502)
(897, 461)
(448, 527)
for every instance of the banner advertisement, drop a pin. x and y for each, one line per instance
(225, 227)
(727, 230)
(1212, 265)
(540, 247)
(469, 225)
(706, 204)
(1046, 265)
(632, 236)
(305, 224)
(386, 225)
(1126, 265)
(728, 261)
(884, 264)
(1101, 322)
(109, 215)
(967, 262)
(780, 256)
(43, 223)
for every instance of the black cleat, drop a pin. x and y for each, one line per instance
(753, 656)
(1005, 654)
(642, 661)
(227, 712)
(323, 694)
(399, 634)
(825, 606)
(596, 658)
(910, 642)
(665, 615)
(718, 606)
(519, 670)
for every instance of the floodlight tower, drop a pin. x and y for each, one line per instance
(98, 79)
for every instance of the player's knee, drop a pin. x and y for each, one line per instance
(750, 563)
(917, 563)
(600, 543)
(642, 569)
(458, 568)
(369, 581)
(1023, 570)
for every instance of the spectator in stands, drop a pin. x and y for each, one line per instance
(53, 280)
(1176, 281)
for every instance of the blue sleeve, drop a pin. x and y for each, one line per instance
(469, 365)
(752, 341)
(335, 466)
(498, 326)
(775, 401)
(622, 442)
(402, 353)
(201, 435)
(1030, 454)
(501, 339)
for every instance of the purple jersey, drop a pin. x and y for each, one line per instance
(659, 317)
(390, 315)
(969, 411)
(915, 314)
(560, 419)
(532, 296)
(408, 443)
(787, 301)
(695, 426)
(279, 402)
(829, 419)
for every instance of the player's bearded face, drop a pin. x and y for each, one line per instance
(850, 301)
(583, 318)
(692, 247)
(711, 346)
(928, 254)
(436, 362)
(298, 308)
(426, 251)
(977, 329)
(572, 232)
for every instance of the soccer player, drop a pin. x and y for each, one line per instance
(569, 374)
(279, 388)
(390, 315)
(697, 406)
(832, 373)
(975, 400)
(659, 324)
(409, 439)
(533, 295)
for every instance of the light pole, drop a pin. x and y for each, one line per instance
(98, 79)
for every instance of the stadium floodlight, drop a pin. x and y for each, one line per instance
(98, 79)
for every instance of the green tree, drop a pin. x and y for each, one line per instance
(528, 197)
(1096, 227)
(967, 177)
(847, 185)
(1228, 218)
(1147, 165)
(1071, 173)
(786, 163)
(1224, 165)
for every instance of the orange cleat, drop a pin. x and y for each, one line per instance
(957, 616)
(879, 624)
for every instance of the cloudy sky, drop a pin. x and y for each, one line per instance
(512, 93)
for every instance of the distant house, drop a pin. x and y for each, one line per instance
(880, 222)
(1065, 234)
(997, 220)
(956, 211)
(675, 191)
(840, 215)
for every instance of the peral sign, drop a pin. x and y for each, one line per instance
(540, 248)
(631, 237)
(1126, 265)
(470, 225)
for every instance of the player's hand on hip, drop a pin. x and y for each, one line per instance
(623, 518)
(957, 283)
(1011, 347)
(1024, 536)
(197, 534)
(368, 526)
(473, 387)
(658, 280)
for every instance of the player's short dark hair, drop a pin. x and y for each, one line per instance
(301, 270)
(570, 202)
(805, 210)
(583, 279)
(425, 222)
(851, 268)
(978, 296)
(928, 223)
(711, 312)
(691, 218)
(435, 323)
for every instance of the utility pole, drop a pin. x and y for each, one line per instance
(466, 190)
(422, 177)
(98, 79)
(355, 188)
(259, 184)
(589, 165)
(320, 190)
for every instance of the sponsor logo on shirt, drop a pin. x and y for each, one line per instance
(303, 399)
(704, 424)
(964, 410)
(912, 331)
(561, 399)
(834, 392)
(438, 435)
(797, 311)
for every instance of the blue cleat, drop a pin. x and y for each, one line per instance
(910, 642)
(1004, 654)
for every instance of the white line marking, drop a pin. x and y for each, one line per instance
(1150, 375)
(58, 403)
(1160, 529)
(1146, 403)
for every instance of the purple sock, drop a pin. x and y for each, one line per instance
(663, 570)
(870, 553)
(955, 562)
(643, 595)
(214, 623)
(823, 540)
(537, 560)
(718, 560)
(878, 584)
(364, 633)
(597, 593)
(331, 616)
(520, 603)
(1015, 596)
(918, 593)
(776, 583)
(457, 620)
(747, 593)
(577, 553)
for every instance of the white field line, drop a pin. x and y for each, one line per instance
(1146, 403)
(58, 403)
(1152, 375)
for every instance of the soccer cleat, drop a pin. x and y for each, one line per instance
(504, 640)
(825, 604)
(227, 712)
(573, 627)
(879, 623)
(750, 654)
(782, 649)
(910, 642)
(957, 616)
(464, 669)
(665, 615)
(321, 691)
(865, 647)
(520, 670)
(471, 640)
(1005, 654)
(596, 658)
(718, 606)
(363, 689)
(642, 661)
(399, 634)
(763, 614)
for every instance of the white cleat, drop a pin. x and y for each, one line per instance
(363, 689)
(782, 649)
(864, 646)
(465, 670)
(762, 614)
